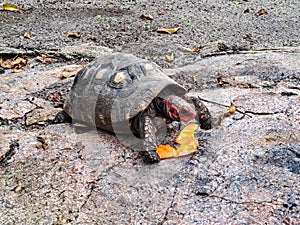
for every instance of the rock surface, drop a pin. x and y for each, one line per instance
(247, 169)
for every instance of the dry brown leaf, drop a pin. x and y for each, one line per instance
(168, 30)
(18, 70)
(44, 59)
(73, 35)
(247, 10)
(146, 16)
(237, 2)
(170, 58)
(7, 64)
(22, 61)
(196, 49)
(70, 73)
(11, 7)
(231, 110)
(15, 63)
(27, 35)
(261, 12)
(221, 81)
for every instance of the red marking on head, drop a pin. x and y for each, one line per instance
(179, 110)
(173, 112)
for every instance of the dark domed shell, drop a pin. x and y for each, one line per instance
(115, 88)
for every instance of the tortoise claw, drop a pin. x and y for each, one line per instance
(204, 116)
(150, 157)
(62, 117)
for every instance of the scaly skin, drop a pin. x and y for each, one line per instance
(173, 108)
(149, 154)
(203, 115)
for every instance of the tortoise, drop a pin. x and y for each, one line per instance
(123, 94)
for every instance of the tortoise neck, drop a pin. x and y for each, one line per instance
(160, 106)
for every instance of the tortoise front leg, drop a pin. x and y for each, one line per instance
(149, 134)
(203, 115)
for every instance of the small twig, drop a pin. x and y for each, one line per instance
(279, 49)
(226, 106)
(255, 51)
(246, 112)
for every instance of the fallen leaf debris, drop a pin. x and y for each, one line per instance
(146, 16)
(27, 35)
(73, 35)
(11, 7)
(17, 63)
(44, 59)
(168, 30)
(195, 49)
(261, 12)
(187, 143)
(70, 72)
(170, 58)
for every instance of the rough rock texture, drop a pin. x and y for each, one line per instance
(245, 172)
(116, 24)
(247, 169)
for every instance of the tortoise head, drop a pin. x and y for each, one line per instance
(179, 110)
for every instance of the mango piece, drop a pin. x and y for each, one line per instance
(165, 151)
(188, 143)
(186, 150)
(187, 133)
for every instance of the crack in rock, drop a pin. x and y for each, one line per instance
(13, 148)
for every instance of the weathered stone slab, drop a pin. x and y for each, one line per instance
(246, 170)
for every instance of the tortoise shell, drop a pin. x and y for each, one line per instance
(116, 87)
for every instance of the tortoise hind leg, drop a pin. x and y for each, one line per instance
(149, 134)
(62, 117)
